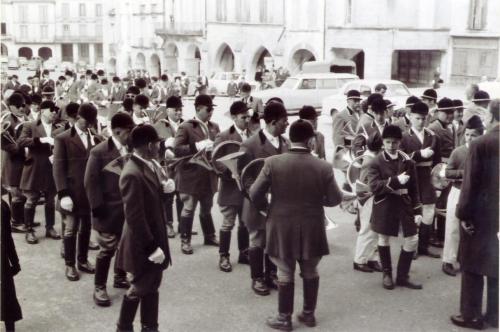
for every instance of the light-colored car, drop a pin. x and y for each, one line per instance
(397, 92)
(219, 81)
(492, 87)
(12, 63)
(49, 64)
(305, 89)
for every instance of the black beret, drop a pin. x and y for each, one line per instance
(48, 90)
(308, 112)
(445, 105)
(16, 99)
(353, 94)
(420, 108)
(142, 101)
(411, 100)
(48, 104)
(104, 81)
(44, 72)
(88, 112)
(116, 79)
(100, 72)
(140, 83)
(274, 111)
(72, 109)
(245, 87)
(68, 73)
(143, 134)
(122, 120)
(88, 72)
(374, 141)
(93, 77)
(164, 77)
(133, 90)
(174, 102)
(392, 131)
(205, 100)
(301, 131)
(373, 97)
(379, 106)
(457, 103)
(238, 107)
(36, 99)
(474, 123)
(380, 86)
(128, 104)
(430, 94)
(481, 96)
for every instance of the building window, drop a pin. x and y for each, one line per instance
(24, 31)
(348, 11)
(44, 13)
(44, 31)
(221, 10)
(4, 29)
(82, 10)
(65, 10)
(98, 10)
(98, 52)
(263, 11)
(66, 31)
(83, 29)
(142, 9)
(246, 11)
(83, 51)
(23, 14)
(477, 14)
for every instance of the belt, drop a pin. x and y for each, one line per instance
(445, 160)
(400, 192)
(424, 164)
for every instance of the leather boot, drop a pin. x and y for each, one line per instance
(62, 244)
(283, 321)
(127, 314)
(243, 242)
(178, 207)
(270, 274)
(17, 217)
(385, 259)
(29, 216)
(311, 287)
(404, 264)
(423, 241)
(208, 229)
(256, 256)
(70, 258)
(185, 227)
(120, 279)
(224, 245)
(83, 250)
(101, 297)
(149, 312)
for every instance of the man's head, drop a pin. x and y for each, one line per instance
(16, 104)
(14, 78)
(141, 102)
(381, 88)
(48, 93)
(391, 137)
(445, 110)
(204, 107)
(141, 83)
(72, 111)
(419, 112)
(36, 100)
(174, 108)
(276, 118)
(45, 73)
(128, 105)
(309, 114)
(245, 90)
(471, 90)
(354, 100)
(88, 73)
(121, 126)
(48, 111)
(240, 115)
(87, 116)
(132, 92)
(35, 81)
(429, 97)
(473, 129)
(481, 98)
(459, 110)
(374, 142)
(145, 141)
(116, 81)
(68, 74)
(302, 133)
(379, 109)
(371, 98)
(94, 78)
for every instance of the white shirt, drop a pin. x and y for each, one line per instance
(242, 133)
(273, 140)
(175, 125)
(380, 127)
(83, 136)
(119, 146)
(47, 127)
(420, 134)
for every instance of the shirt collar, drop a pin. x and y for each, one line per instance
(79, 131)
(268, 135)
(117, 144)
(239, 131)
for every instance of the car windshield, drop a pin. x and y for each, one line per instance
(290, 83)
(396, 90)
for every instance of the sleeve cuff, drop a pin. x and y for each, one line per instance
(393, 183)
(63, 193)
(151, 247)
(417, 210)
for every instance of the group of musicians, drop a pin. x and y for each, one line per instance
(116, 158)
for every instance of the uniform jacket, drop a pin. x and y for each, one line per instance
(390, 210)
(478, 204)
(344, 123)
(456, 164)
(411, 145)
(229, 194)
(447, 137)
(103, 192)
(70, 161)
(10, 85)
(13, 155)
(364, 120)
(295, 227)
(474, 109)
(37, 169)
(145, 219)
(73, 94)
(403, 123)
(190, 178)
(47, 82)
(257, 146)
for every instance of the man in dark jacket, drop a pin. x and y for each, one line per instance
(143, 250)
(295, 220)
(101, 183)
(478, 211)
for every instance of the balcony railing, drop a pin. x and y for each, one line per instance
(179, 28)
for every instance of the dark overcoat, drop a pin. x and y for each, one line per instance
(13, 155)
(447, 138)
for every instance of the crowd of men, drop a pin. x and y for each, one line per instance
(116, 157)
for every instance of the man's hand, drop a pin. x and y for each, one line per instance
(157, 256)
(418, 220)
(168, 186)
(169, 142)
(47, 140)
(205, 144)
(468, 228)
(427, 152)
(67, 203)
(403, 178)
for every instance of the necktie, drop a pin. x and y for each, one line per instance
(89, 142)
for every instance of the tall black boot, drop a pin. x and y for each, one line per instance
(404, 264)
(101, 297)
(311, 287)
(149, 312)
(283, 321)
(178, 206)
(208, 228)
(256, 256)
(63, 227)
(70, 258)
(440, 230)
(243, 242)
(185, 227)
(127, 314)
(29, 216)
(224, 245)
(270, 274)
(83, 249)
(17, 216)
(385, 259)
(423, 241)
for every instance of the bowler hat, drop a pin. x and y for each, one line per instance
(430, 94)
(174, 102)
(379, 106)
(353, 94)
(48, 104)
(140, 83)
(274, 111)
(68, 73)
(36, 99)
(88, 112)
(481, 96)
(445, 105)
(72, 109)
(122, 120)
(143, 134)
(238, 107)
(411, 100)
(420, 108)
(116, 79)
(100, 72)
(128, 104)
(133, 90)
(392, 131)
(301, 131)
(474, 123)
(142, 101)
(48, 90)
(374, 96)
(245, 87)
(164, 77)
(308, 112)
(204, 100)
(458, 104)
(16, 99)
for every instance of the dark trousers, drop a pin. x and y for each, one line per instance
(32, 199)
(73, 225)
(108, 244)
(146, 283)
(471, 296)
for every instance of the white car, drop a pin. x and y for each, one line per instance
(305, 89)
(219, 82)
(397, 92)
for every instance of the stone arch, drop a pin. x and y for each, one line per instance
(192, 60)
(171, 58)
(25, 52)
(45, 53)
(5, 50)
(262, 60)
(154, 65)
(140, 61)
(298, 55)
(224, 58)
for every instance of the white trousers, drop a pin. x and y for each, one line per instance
(366, 244)
(452, 231)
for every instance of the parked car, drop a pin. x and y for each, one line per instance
(34, 64)
(397, 92)
(219, 81)
(12, 63)
(23, 61)
(305, 89)
(49, 64)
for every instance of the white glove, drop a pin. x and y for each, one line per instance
(169, 142)
(48, 140)
(157, 256)
(442, 173)
(67, 203)
(418, 220)
(426, 153)
(168, 186)
(403, 178)
(205, 144)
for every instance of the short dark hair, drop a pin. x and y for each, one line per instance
(274, 111)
